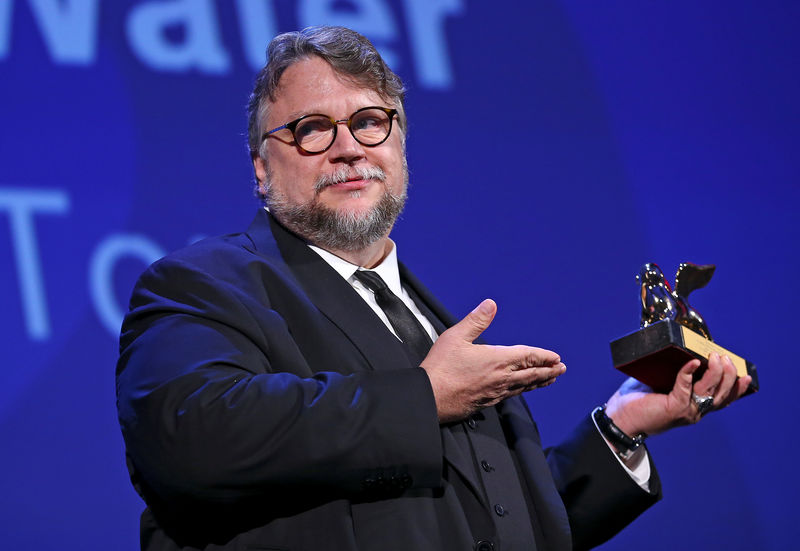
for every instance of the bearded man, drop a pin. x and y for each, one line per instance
(295, 387)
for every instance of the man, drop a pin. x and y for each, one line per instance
(295, 387)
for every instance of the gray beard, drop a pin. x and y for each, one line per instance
(332, 230)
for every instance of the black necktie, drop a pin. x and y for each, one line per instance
(405, 323)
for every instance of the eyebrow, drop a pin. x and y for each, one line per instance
(314, 111)
(297, 114)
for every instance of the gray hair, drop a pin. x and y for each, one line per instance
(348, 52)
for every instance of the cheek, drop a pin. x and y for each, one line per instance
(294, 179)
(394, 166)
(388, 154)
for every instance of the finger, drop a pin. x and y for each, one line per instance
(711, 378)
(738, 390)
(727, 381)
(533, 386)
(535, 376)
(683, 381)
(524, 357)
(476, 322)
(546, 382)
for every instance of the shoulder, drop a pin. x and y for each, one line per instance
(230, 279)
(233, 257)
(237, 265)
(211, 255)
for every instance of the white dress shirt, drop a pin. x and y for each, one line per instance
(390, 274)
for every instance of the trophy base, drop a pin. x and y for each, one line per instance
(656, 353)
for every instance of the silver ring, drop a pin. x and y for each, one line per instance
(704, 403)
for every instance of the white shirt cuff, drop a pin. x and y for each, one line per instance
(637, 466)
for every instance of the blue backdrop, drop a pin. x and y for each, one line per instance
(555, 146)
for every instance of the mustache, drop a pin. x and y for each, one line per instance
(343, 174)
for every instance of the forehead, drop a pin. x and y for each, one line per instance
(313, 86)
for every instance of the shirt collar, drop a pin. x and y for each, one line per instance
(387, 269)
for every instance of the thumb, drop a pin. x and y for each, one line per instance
(683, 381)
(475, 322)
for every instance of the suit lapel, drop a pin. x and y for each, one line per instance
(340, 303)
(428, 304)
(332, 295)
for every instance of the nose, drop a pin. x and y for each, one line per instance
(345, 148)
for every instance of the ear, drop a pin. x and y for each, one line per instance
(260, 170)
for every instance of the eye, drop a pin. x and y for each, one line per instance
(369, 120)
(312, 126)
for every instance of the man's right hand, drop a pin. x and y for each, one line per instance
(467, 377)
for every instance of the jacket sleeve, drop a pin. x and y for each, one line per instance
(600, 497)
(585, 497)
(216, 402)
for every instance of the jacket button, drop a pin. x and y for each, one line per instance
(484, 545)
(486, 466)
(500, 510)
(472, 423)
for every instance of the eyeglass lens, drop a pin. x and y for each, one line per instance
(368, 126)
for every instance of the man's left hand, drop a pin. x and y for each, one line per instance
(636, 409)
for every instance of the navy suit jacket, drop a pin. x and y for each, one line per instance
(265, 406)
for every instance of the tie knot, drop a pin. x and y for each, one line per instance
(371, 280)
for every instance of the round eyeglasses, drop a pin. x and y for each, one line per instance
(315, 133)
